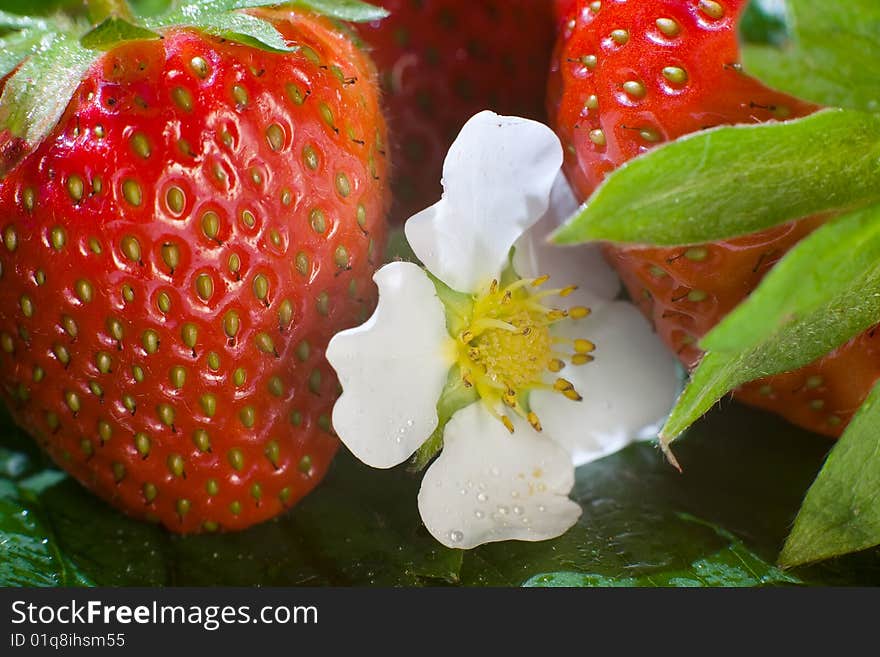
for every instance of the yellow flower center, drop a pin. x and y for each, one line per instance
(506, 348)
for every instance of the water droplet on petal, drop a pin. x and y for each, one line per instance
(456, 536)
(503, 510)
(479, 514)
(542, 508)
(482, 497)
(518, 510)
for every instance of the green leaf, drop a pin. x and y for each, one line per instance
(352, 11)
(823, 293)
(26, 110)
(31, 555)
(247, 29)
(15, 47)
(40, 7)
(737, 180)
(216, 17)
(840, 513)
(114, 31)
(833, 273)
(18, 22)
(832, 58)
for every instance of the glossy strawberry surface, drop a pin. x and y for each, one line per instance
(441, 62)
(628, 76)
(176, 256)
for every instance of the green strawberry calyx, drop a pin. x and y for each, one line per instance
(43, 59)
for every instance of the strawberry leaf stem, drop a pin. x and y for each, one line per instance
(732, 181)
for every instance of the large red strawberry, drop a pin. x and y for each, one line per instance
(442, 61)
(630, 75)
(176, 253)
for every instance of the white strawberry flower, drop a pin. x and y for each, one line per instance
(517, 383)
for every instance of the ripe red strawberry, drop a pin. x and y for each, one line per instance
(442, 61)
(630, 75)
(177, 253)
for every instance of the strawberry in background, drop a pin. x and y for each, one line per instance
(628, 76)
(442, 61)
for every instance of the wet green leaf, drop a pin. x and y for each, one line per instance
(744, 475)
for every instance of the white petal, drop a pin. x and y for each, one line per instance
(496, 184)
(489, 485)
(583, 266)
(392, 369)
(627, 391)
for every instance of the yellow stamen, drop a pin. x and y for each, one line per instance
(535, 422)
(506, 348)
(584, 346)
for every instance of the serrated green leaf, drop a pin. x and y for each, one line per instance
(352, 11)
(15, 47)
(835, 270)
(26, 110)
(114, 31)
(732, 181)
(823, 293)
(832, 58)
(840, 513)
